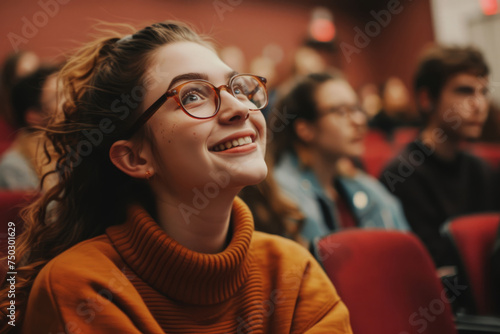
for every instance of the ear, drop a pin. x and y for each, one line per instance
(33, 117)
(424, 101)
(125, 155)
(304, 130)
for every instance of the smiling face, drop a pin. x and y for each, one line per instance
(339, 129)
(188, 153)
(462, 107)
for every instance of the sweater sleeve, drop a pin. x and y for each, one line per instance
(83, 292)
(319, 308)
(60, 302)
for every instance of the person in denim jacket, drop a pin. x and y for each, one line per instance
(319, 131)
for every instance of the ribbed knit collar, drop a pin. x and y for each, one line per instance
(177, 272)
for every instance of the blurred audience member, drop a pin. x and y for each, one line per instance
(396, 111)
(15, 66)
(33, 101)
(316, 128)
(433, 177)
(371, 102)
(306, 61)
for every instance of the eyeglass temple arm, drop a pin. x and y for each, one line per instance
(146, 115)
(252, 93)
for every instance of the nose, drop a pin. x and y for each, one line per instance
(477, 104)
(482, 102)
(231, 109)
(358, 117)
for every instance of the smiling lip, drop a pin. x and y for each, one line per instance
(233, 142)
(239, 149)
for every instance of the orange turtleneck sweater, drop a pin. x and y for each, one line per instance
(136, 279)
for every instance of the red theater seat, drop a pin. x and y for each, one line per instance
(387, 281)
(488, 151)
(473, 236)
(403, 136)
(7, 133)
(4, 145)
(378, 152)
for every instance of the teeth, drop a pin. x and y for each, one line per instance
(233, 143)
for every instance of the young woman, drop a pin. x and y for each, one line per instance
(146, 235)
(321, 127)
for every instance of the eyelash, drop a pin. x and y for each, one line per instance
(195, 92)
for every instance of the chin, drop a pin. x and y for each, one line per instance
(249, 174)
(471, 134)
(254, 181)
(356, 151)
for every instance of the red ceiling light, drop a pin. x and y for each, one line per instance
(322, 30)
(322, 27)
(489, 7)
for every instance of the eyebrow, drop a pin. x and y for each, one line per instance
(464, 88)
(196, 76)
(187, 76)
(231, 74)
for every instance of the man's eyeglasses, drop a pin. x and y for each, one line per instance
(201, 99)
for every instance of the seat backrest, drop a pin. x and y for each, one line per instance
(473, 236)
(4, 146)
(387, 281)
(7, 132)
(490, 152)
(403, 136)
(378, 152)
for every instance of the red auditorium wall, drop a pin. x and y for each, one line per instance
(51, 27)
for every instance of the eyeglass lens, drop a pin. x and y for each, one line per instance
(200, 99)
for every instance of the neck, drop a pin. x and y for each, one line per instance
(444, 146)
(199, 223)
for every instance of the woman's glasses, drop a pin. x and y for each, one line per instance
(201, 99)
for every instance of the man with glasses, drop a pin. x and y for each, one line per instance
(313, 152)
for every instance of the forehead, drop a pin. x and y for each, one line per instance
(335, 92)
(186, 57)
(467, 79)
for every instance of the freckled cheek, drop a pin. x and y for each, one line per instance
(163, 133)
